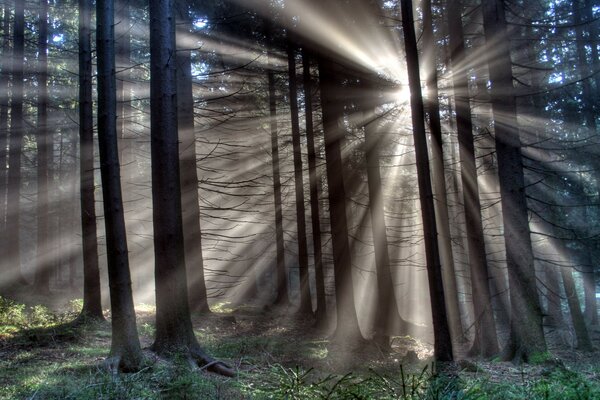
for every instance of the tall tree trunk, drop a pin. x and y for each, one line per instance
(174, 332)
(126, 353)
(190, 207)
(583, 339)
(43, 257)
(4, 96)
(347, 329)
(321, 311)
(585, 68)
(305, 301)
(442, 342)
(439, 177)
(281, 288)
(486, 339)
(386, 306)
(92, 305)
(526, 330)
(13, 217)
(124, 111)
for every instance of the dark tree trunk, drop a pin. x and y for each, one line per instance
(174, 333)
(281, 274)
(526, 330)
(438, 176)
(4, 79)
(442, 342)
(305, 301)
(125, 350)
(124, 111)
(190, 207)
(486, 339)
(13, 217)
(347, 329)
(43, 267)
(92, 305)
(583, 339)
(321, 312)
(386, 306)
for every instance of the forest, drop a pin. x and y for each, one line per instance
(299, 199)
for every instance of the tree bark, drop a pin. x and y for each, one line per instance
(125, 350)
(347, 329)
(526, 330)
(313, 178)
(305, 300)
(4, 100)
(92, 294)
(439, 177)
(43, 265)
(442, 339)
(281, 288)
(174, 332)
(190, 207)
(486, 339)
(15, 145)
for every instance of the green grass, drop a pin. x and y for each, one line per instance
(42, 357)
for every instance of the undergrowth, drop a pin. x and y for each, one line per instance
(56, 368)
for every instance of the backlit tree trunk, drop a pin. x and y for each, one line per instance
(527, 335)
(15, 145)
(190, 207)
(438, 175)
(347, 329)
(443, 342)
(486, 342)
(125, 350)
(321, 312)
(43, 256)
(305, 302)
(174, 333)
(92, 305)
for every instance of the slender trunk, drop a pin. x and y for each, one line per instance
(486, 339)
(190, 207)
(526, 330)
(439, 177)
(281, 274)
(43, 260)
(4, 97)
(583, 339)
(305, 301)
(442, 342)
(386, 307)
(126, 353)
(313, 177)
(174, 332)
(347, 329)
(92, 305)
(13, 217)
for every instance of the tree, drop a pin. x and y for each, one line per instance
(443, 342)
(174, 331)
(125, 352)
(43, 259)
(526, 331)
(92, 304)
(4, 106)
(280, 270)
(321, 311)
(192, 234)
(347, 329)
(432, 108)
(486, 342)
(15, 145)
(305, 302)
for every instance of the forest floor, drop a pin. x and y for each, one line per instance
(277, 357)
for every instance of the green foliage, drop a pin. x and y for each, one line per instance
(16, 317)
